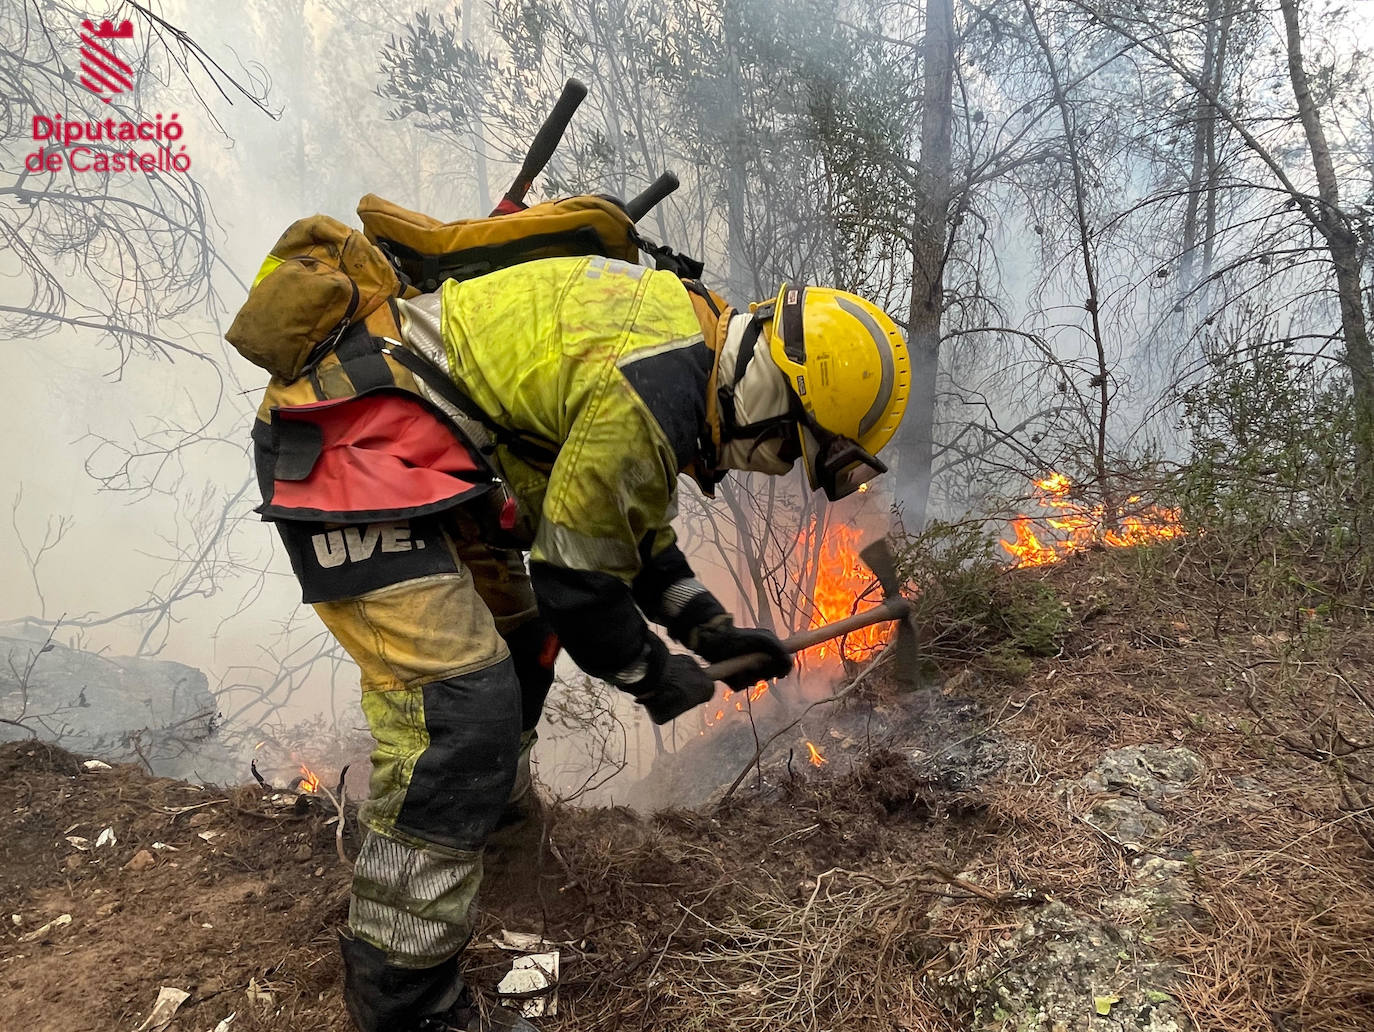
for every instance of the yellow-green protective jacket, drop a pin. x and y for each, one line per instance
(607, 363)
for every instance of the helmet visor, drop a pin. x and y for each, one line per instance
(837, 465)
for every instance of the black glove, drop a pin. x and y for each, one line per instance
(682, 686)
(671, 685)
(719, 639)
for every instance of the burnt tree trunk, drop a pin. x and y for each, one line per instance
(916, 438)
(1344, 249)
(1199, 220)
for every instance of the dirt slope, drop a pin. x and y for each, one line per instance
(1151, 851)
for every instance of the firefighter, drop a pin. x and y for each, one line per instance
(591, 384)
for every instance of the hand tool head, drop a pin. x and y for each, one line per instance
(877, 555)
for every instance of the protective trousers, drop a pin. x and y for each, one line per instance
(455, 667)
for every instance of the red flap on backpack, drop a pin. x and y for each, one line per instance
(379, 455)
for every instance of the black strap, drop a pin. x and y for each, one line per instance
(429, 271)
(790, 323)
(521, 445)
(725, 393)
(360, 354)
(695, 286)
(668, 260)
(748, 342)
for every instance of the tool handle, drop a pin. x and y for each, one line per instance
(889, 609)
(546, 140)
(660, 188)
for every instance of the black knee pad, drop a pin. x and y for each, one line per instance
(462, 780)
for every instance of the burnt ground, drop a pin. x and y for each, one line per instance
(876, 892)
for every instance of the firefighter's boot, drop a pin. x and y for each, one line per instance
(383, 997)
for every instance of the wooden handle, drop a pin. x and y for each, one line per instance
(889, 609)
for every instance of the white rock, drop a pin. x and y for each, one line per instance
(539, 971)
(51, 926)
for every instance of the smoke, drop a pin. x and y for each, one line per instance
(796, 153)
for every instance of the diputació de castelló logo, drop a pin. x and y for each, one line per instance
(104, 72)
(96, 145)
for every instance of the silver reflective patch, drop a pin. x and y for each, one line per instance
(406, 938)
(412, 902)
(613, 267)
(677, 596)
(880, 342)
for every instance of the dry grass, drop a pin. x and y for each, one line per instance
(1262, 666)
(845, 954)
(1286, 936)
(837, 902)
(706, 924)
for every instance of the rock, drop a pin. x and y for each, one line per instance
(1062, 971)
(1128, 821)
(94, 703)
(141, 861)
(1161, 891)
(1155, 873)
(51, 926)
(1057, 970)
(1148, 771)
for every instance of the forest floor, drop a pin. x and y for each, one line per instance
(1144, 830)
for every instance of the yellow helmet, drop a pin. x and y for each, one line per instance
(847, 365)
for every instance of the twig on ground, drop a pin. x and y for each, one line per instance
(338, 802)
(842, 693)
(136, 742)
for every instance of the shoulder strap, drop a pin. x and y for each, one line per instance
(668, 260)
(523, 446)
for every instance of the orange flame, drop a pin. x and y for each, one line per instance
(815, 755)
(1080, 526)
(310, 781)
(740, 700)
(841, 577)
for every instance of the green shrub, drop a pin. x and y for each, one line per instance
(970, 608)
(1271, 446)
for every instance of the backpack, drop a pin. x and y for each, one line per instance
(319, 278)
(321, 317)
(323, 278)
(426, 251)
